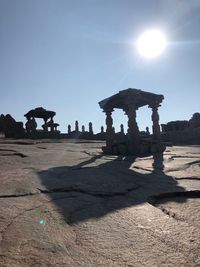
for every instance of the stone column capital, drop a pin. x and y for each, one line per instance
(108, 111)
(154, 106)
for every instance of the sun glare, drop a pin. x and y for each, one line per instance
(151, 43)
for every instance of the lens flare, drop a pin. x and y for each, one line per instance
(41, 221)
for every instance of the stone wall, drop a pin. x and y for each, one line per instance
(182, 137)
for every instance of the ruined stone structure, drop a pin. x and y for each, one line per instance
(194, 122)
(49, 126)
(69, 129)
(182, 132)
(83, 128)
(90, 128)
(76, 126)
(129, 101)
(10, 128)
(122, 129)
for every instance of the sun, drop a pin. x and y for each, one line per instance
(151, 43)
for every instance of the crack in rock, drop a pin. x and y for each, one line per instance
(183, 167)
(15, 154)
(184, 157)
(164, 196)
(72, 190)
(154, 200)
(7, 150)
(20, 195)
(189, 178)
(92, 193)
(141, 168)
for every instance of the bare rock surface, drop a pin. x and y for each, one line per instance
(64, 203)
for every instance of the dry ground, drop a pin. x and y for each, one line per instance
(63, 203)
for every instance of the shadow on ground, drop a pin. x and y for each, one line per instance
(101, 185)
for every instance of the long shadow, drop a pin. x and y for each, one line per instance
(83, 192)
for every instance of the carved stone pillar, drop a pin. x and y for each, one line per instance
(76, 126)
(122, 129)
(51, 125)
(109, 129)
(90, 128)
(155, 119)
(133, 131)
(69, 129)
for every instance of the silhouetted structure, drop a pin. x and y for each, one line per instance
(49, 126)
(10, 128)
(69, 129)
(182, 132)
(76, 126)
(122, 128)
(90, 128)
(130, 100)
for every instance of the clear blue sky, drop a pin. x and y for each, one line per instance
(67, 55)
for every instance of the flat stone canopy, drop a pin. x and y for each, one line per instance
(131, 95)
(40, 113)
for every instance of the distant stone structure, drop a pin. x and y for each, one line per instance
(69, 128)
(182, 132)
(90, 128)
(130, 100)
(49, 126)
(122, 129)
(147, 131)
(83, 134)
(31, 125)
(10, 128)
(76, 126)
(174, 126)
(194, 122)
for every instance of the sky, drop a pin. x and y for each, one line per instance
(67, 55)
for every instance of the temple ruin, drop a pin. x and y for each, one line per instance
(49, 126)
(182, 131)
(129, 101)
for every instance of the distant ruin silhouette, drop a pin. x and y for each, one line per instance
(10, 128)
(174, 132)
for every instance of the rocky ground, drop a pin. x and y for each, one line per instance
(64, 203)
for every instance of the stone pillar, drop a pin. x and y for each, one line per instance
(109, 130)
(155, 119)
(76, 126)
(147, 130)
(163, 127)
(90, 128)
(83, 128)
(122, 129)
(51, 125)
(69, 129)
(102, 129)
(133, 131)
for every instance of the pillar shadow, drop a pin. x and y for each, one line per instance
(103, 184)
